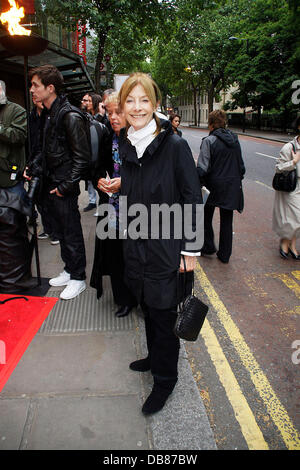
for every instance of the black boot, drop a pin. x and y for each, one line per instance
(142, 365)
(123, 311)
(156, 400)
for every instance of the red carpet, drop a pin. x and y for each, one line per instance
(19, 322)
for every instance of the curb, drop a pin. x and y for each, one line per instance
(288, 138)
(183, 423)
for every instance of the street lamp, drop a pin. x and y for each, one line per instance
(233, 38)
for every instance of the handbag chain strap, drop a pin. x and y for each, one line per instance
(184, 282)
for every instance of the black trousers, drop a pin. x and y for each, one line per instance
(163, 345)
(225, 237)
(46, 220)
(121, 293)
(64, 218)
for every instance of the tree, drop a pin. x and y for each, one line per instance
(106, 18)
(266, 69)
(197, 54)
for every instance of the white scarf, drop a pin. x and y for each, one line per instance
(142, 138)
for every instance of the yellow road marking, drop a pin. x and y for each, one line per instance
(288, 281)
(296, 274)
(265, 185)
(242, 411)
(252, 284)
(276, 410)
(293, 311)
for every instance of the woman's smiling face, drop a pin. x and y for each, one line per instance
(138, 109)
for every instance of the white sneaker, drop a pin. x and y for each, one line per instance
(61, 280)
(73, 289)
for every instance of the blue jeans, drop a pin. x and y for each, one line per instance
(92, 193)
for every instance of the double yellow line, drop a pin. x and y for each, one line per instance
(249, 427)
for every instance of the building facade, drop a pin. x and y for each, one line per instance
(185, 106)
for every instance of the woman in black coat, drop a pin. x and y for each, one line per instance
(158, 168)
(175, 121)
(221, 170)
(108, 257)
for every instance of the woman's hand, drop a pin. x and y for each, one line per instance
(296, 156)
(28, 178)
(103, 185)
(112, 186)
(115, 185)
(55, 191)
(190, 262)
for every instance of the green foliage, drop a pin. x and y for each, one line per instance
(272, 57)
(164, 37)
(113, 20)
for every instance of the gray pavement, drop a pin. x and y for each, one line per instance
(73, 390)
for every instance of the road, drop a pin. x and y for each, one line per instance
(246, 361)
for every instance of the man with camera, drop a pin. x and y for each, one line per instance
(61, 164)
(13, 132)
(15, 256)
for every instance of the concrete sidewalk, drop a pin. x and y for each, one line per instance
(73, 390)
(267, 135)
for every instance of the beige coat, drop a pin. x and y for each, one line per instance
(286, 211)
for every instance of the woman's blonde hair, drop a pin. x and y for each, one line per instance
(112, 98)
(150, 87)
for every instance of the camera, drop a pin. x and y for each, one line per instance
(33, 186)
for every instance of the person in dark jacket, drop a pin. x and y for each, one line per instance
(108, 257)
(221, 170)
(157, 170)
(13, 133)
(15, 256)
(175, 121)
(88, 106)
(62, 163)
(35, 148)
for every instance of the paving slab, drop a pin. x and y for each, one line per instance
(75, 363)
(13, 415)
(88, 423)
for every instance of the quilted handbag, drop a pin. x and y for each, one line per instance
(190, 317)
(286, 180)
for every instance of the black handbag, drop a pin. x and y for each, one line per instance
(286, 180)
(190, 316)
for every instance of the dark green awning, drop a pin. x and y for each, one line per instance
(76, 76)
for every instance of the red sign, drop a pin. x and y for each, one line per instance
(81, 40)
(28, 6)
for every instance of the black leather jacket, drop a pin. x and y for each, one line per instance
(65, 152)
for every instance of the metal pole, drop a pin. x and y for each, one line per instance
(33, 218)
(27, 102)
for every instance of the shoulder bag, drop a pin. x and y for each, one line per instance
(285, 180)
